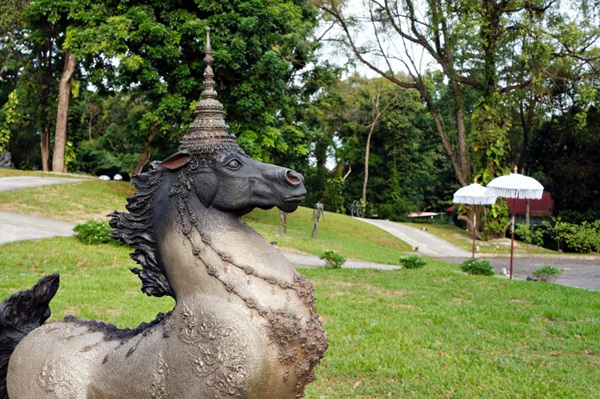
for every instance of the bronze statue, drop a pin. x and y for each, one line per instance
(244, 324)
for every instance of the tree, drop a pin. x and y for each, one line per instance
(64, 94)
(36, 31)
(492, 48)
(568, 154)
(370, 99)
(404, 165)
(261, 52)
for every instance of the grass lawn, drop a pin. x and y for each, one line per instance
(426, 333)
(350, 237)
(431, 332)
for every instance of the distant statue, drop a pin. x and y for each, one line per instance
(6, 160)
(282, 222)
(355, 209)
(318, 212)
(244, 324)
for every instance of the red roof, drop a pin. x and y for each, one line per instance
(541, 207)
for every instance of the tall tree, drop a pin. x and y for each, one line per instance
(488, 47)
(370, 99)
(261, 52)
(403, 164)
(64, 95)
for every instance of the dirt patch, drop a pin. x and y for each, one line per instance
(519, 300)
(379, 291)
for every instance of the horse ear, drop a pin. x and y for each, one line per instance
(176, 161)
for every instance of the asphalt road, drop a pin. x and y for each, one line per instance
(578, 271)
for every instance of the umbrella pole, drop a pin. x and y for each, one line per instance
(512, 238)
(474, 227)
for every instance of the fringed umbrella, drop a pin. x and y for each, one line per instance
(473, 194)
(515, 186)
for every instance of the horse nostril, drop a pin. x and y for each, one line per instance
(292, 177)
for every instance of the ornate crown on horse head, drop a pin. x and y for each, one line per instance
(208, 133)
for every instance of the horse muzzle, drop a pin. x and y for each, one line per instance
(295, 181)
(291, 178)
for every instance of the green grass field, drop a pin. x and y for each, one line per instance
(427, 333)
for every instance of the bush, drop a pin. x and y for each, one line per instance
(395, 210)
(547, 273)
(94, 232)
(332, 259)
(582, 238)
(412, 262)
(530, 235)
(478, 267)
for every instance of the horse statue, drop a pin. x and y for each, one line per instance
(244, 324)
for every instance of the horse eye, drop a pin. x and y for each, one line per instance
(234, 164)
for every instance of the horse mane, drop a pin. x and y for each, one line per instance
(136, 228)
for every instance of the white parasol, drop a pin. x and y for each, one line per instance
(473, 194)
(515, 186)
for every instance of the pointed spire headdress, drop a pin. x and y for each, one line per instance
(209, 133)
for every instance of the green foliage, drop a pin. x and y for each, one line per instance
(479, 267)
(9, 115)
(583, 238)
(569, 156)
(496, 220)
(490, 137)
(412, 262)
(94, 232)
(332, 259)
(529, 234)
(333, 199)
(396, 210)
(547, 273)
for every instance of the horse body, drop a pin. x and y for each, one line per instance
(244, 324)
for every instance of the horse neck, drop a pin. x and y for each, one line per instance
(199, 246)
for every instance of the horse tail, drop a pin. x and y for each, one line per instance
(20, 314)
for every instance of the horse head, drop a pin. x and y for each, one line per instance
(234, 183)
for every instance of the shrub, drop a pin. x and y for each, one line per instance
(547, 273)
(412, 262)
(332, 259)
(94, 232)
(530, 235)
(496, 220)
(477, 266)
(582, 238)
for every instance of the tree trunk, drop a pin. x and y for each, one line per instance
(64, 93)
(367, 151)
(45, 146)
(143, 161)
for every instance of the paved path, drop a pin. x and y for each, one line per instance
(21, 182)
(17, 227)
(427, 244)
